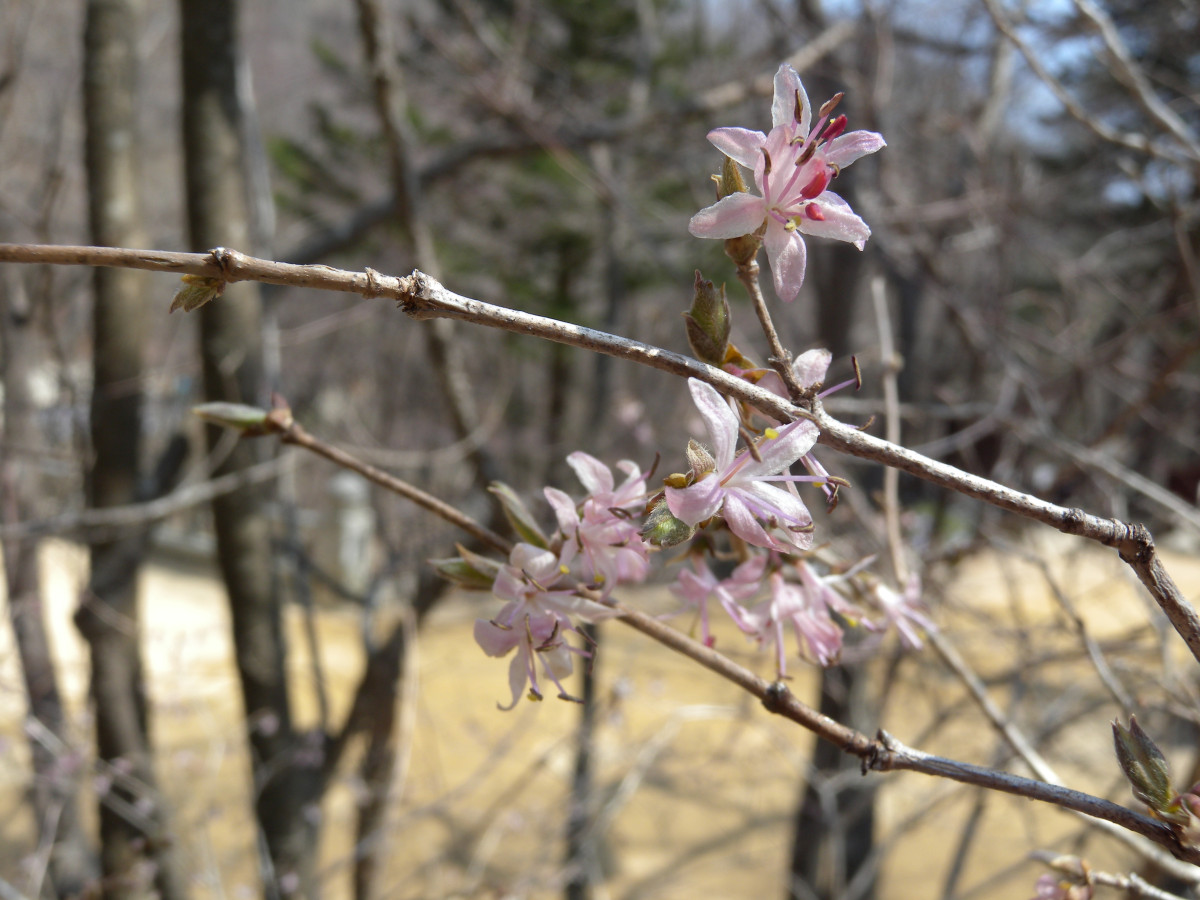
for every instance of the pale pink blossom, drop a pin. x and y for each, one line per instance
(739, 487)
(534, 619)
(905, 610)
(601, 533)
(792, 166)
(536, 637)
(808, 614)
(695, 588)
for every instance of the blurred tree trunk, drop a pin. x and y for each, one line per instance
(835, 820)
(72, 869)
(108, 613)
(284, 785)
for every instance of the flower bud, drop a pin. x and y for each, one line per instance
(1146, 768)
(707, 322)
(699, 460)
(730, 180)
(662, 529)
(741, 250)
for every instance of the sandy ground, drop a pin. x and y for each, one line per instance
(698, 782)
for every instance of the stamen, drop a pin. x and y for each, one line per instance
(807, 154)
(816, 186)
(831, 104)
(814, 212)
(835, 128)
(797, 108)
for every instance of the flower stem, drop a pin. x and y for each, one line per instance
(780, 359)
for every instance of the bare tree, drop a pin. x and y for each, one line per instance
(231, 354)
(132, 821)
(55, 762)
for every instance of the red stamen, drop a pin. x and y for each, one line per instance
(814, 212)
(835, 128)
(816, 186)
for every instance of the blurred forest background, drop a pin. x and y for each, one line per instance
(1034, 257)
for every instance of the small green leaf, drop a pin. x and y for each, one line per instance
(197, 290)
(519, 515)
(249, 420)
(469, 571)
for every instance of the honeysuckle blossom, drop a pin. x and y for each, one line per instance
(810, 368)
(599, 533)
(792, 166)
(535, 619)
(905, 610)
(808, 614)
(536, 637)
(738, 487)
(694, 587)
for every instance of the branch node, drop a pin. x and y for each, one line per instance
(371, 290)
(224, 259)
(775, 697)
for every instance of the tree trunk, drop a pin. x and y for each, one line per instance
(72, 869)
(108, 612)
(835, 820)
(284, 785)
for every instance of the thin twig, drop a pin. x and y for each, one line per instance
(891, 399)
(781, 359)
(422, 297)
(882, 754)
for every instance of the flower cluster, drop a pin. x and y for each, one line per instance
(793, 166)
(603, 541)
(596, 547)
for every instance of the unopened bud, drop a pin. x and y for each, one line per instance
(707, 322)
(730, 180)
(662, 529)
(251, 421)
(699, 460)
(1146, 768)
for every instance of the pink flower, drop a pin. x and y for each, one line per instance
(694, 589)
(808, 614)
(905, 611)
(534, 620)
(1051, 887)
(738, 488)
(600, 532)
(792, 166)
(538, 636)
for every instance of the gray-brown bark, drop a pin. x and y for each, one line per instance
(230, 347)
(72, 868)
(108, 612)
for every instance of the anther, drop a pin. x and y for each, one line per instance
(831, 104)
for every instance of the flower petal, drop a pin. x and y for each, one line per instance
(494, 640)
(778, 453)
(788, 257)
(840, 222)
(783, 106)
(564, 510)
(729, 217)
(742, 522)
(742, 145)
(844, 150)
(719, 419)
(811, 365)
(592, 474)
(692, 505)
